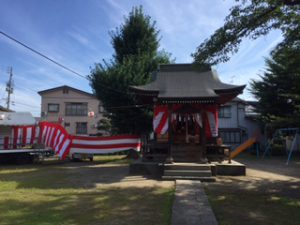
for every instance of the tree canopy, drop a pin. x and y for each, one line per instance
(249, 18)
(278, 91)
(136, 57)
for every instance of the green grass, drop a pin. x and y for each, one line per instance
(70, 194)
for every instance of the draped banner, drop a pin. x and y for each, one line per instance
(56, 137)
(103, 145)
(64, 144)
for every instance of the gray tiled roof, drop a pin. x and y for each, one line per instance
(186, 82)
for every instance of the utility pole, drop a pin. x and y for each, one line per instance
(9, 87)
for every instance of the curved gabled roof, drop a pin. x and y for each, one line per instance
(184, 81)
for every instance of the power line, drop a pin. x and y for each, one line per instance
(57, 63)
(127, 106)
(19, 103)
(43, 55)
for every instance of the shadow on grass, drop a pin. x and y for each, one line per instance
(240, 200)
(59, 175)
(106, 206)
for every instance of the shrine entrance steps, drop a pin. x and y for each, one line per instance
(188, 171)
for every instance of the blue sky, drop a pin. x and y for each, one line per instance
(76, 34)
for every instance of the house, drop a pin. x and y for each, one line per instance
(76, 110)
(237, 121)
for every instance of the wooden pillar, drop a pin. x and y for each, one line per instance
(170, 135)
(203, 137)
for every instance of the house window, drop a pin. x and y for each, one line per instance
(230, 137)
(225, 112)
(67, 124)
(81, 128)
(53, 107)
(76, 109)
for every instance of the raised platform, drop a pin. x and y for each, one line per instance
(189, 170)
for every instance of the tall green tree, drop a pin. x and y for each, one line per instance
(278, 91)
(136, 57)
(249, 18)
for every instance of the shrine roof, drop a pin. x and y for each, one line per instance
(184, 81)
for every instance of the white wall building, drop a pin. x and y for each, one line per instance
(237, 122)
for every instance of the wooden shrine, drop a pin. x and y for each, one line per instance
(185, 99)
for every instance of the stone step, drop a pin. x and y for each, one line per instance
(187, 166)
(189, 173)
(186, 150)
(185, 155)
(203, 179)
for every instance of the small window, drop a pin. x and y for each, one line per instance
(225, 112)
(100, 109)
(81, 128)
(65, 91)
(53, 107)
(67, 124)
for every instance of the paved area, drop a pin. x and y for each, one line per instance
(191, 206)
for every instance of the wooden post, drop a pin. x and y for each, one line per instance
(203, 137)
(170, 135)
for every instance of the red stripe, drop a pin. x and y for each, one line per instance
(41, 133)
(33, 134)
(24, 135)
(207, 126)
(117, 137)
(134, 145)
(6, 142)
(15, 137)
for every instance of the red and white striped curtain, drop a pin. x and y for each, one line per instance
(23, 135)
(160, 119)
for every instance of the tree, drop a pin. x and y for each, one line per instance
(137, 36)
(249, 18)
(136, 57)
(278, 91)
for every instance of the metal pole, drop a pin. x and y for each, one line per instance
(9, 88)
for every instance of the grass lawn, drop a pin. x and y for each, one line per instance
(268, 195)
(84, 193)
